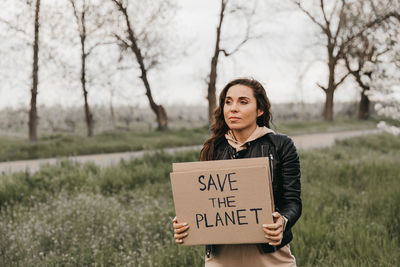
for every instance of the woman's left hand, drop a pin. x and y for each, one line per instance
(274, 231)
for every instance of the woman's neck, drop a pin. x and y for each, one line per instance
(242, 135)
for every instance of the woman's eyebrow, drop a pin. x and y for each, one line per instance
(240, 97)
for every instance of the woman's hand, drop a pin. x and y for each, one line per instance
(274, 231)
(179, 231)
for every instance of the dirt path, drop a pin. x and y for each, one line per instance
(302, 142)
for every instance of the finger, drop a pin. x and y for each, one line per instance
(180, 225)
(182, 229)
(276, 224)
(268, 240)
(175, 220)
(274, 238)
(276, 214)
(273, 232)
(180, 236)
(275, 243)
(273, 226)
(179, 241)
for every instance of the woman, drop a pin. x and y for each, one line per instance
(241, 129)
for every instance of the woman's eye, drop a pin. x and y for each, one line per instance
(227, 101)
(244, 102)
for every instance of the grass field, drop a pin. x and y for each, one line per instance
(295, 127)
(14, 148)
(81, 215)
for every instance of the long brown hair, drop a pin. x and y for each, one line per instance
(219, 127)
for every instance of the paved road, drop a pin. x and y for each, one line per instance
(302, 142)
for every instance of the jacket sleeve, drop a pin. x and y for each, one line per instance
(291, 187)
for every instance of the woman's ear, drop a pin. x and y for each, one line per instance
(259, 112)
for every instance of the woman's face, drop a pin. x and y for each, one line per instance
(240, 108)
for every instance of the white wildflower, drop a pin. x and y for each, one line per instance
(366, 80)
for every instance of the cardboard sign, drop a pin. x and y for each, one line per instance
(224, 201)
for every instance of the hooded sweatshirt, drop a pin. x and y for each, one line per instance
(258, 132)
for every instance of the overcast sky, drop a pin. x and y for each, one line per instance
(277, 59)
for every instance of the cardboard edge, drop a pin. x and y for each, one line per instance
(218, 164)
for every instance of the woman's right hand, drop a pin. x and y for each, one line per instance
(180, 231)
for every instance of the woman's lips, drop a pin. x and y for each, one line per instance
(234, 119)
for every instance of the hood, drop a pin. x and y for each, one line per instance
(258, 132)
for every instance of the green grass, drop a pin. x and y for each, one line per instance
(80, 215)
(351, 199)
(13, 148)
(73, 177)
(298, 127)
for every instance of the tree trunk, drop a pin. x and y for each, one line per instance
(112, 112)
(81, 22)
(211, 91)
(162, 118)
(363, 109)
(330, 90)
(33, 118)
(88, 114)
(328, 109)
(161, 114)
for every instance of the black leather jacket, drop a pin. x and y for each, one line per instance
(285, 178)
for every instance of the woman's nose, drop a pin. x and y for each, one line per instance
(234, 107)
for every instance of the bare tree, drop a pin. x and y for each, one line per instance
(80, 16)
(81, 10)
(35, 72)
(34, 44)
(335, 26)
(212, 79)
(137, 40)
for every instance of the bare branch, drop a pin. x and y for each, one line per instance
(247, 37)
(324, 29)
(321, 2)
(341, 22)
(124, 44)
(227, 54)
(342, 79)
(366, 27)
(322, 87)
(76, 15)
(13, 27)
(347, 63)
(382, 53)
(90, 50)
(334, 10)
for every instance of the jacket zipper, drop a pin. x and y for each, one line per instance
(271, 163)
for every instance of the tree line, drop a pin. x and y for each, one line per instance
(355, 34)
